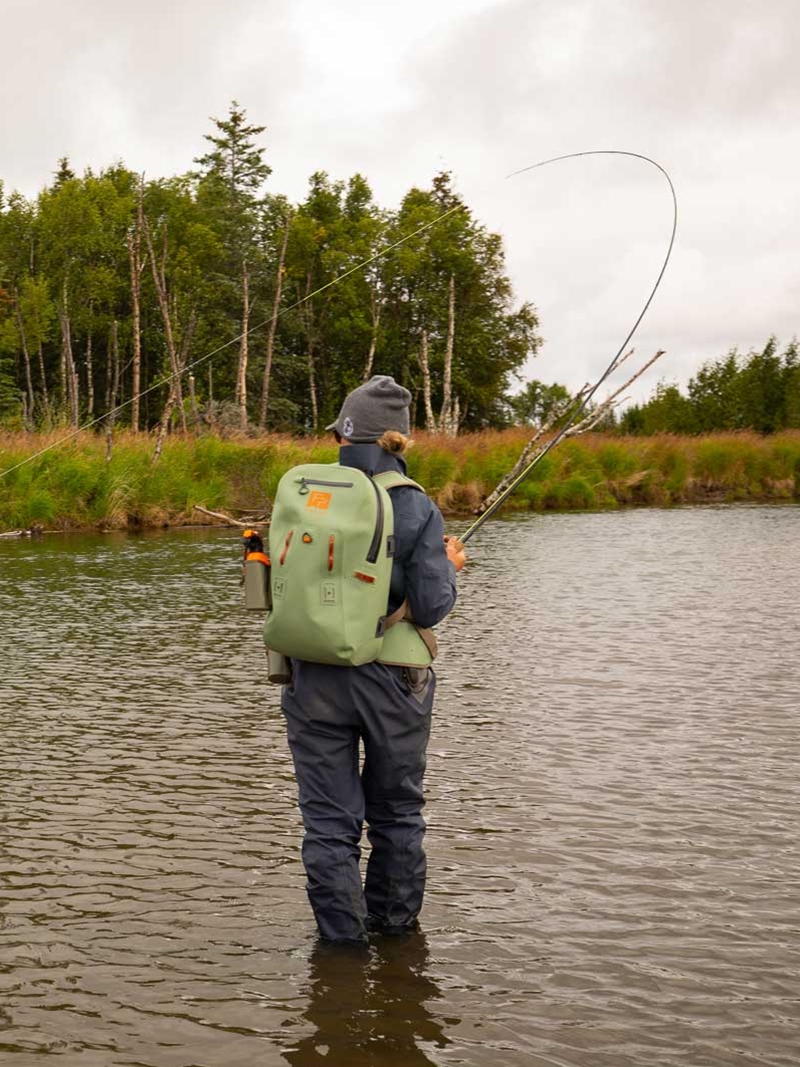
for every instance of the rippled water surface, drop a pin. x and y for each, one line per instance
(614, 811)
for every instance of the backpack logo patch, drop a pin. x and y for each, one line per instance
(316, 499)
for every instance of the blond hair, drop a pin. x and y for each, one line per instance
(394, 441)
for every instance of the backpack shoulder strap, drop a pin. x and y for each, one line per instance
(393, 479)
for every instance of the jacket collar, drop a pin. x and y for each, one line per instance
(371, 459)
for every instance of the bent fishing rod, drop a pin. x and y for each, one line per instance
(587, 395)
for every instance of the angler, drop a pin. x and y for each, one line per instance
(360, 668)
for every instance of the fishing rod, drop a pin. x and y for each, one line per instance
(586, 396)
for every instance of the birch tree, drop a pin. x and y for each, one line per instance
(136, 265)
(183, 251)
(272, 329)
(451, 312)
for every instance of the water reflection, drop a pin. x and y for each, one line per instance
(370, 1005)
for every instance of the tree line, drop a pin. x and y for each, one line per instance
(758, 391)
(206, 299)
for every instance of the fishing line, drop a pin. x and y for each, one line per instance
(614, 362)
(232, 341)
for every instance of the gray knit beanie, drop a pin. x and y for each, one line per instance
(372, 409)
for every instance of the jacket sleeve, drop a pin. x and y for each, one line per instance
(430, 577)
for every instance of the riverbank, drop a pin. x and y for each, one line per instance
(75, 486)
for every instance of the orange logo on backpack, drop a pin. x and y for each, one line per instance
(316, 499)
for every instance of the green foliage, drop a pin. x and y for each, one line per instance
(615, 461)
(539, 404)
(433, 468)
(9, 394)
(492, 338)
(234, 169)
(68, 285)
(759, 391)
(573, 493)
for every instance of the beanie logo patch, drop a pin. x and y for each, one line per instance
(347, 427)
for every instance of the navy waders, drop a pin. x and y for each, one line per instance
(374, 705)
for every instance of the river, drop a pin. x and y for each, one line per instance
(614, 810)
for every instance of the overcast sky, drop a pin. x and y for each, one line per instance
(398, 91)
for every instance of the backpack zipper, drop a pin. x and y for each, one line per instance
(305, 482)
(377, 537)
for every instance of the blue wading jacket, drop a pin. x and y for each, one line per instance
(422, 573)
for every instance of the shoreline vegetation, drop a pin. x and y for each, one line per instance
(76, 487)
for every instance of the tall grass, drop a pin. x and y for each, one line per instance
(73, 486)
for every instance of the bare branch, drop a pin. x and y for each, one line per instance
(596, 416)
(535, 446)
(639, 373)
(227, 519)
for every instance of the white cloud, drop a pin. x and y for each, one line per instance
(709, 88)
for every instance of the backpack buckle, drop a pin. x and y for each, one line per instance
(390, 546)
(381, 627)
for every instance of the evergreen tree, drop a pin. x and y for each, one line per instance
(230, 190)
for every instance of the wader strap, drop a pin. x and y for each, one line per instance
(402, 614)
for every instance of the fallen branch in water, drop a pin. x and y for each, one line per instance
(34, 531)
(536, 446)
(222, 516)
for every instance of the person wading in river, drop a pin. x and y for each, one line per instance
(330, 709)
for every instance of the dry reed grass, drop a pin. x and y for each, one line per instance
(72, 485)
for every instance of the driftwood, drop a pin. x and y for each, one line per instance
(544, 434)
(229, 520)
(34, 531)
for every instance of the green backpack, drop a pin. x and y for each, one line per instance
(331, 545)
